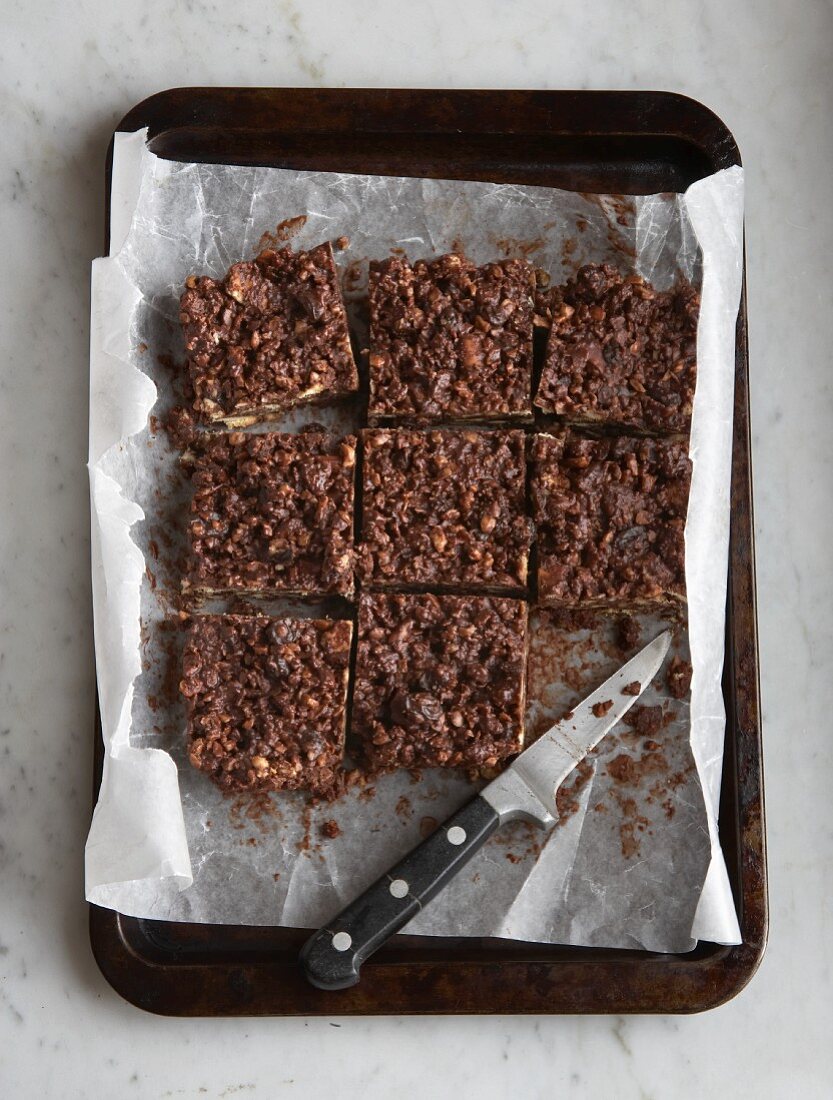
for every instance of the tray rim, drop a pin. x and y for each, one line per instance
(629, 981)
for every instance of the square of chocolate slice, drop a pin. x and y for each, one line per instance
(266, 701)
(444, 509)
(270, 335)
(440, 680)
(620, 352)
(271, 514)
(610, 515)
(450, 341)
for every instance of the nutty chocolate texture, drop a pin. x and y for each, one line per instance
(266, 701)
(621, 352)
(610, 515)
(270, 335)
(449, 340)
(271, 514)
(444, 509)
(440, 680)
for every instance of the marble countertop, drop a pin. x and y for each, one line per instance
(69, 73)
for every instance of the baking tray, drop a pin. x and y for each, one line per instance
(611, 142)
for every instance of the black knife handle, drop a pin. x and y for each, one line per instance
(332, 956)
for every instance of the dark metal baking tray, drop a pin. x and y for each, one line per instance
(620, 142)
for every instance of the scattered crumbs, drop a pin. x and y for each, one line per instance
(367, 794)
(251, 842)
(142, 347)
(276, 875)
(628, 632)
(669, 808)
(283, 231)
(568, 717)
(513, 858)
(581, 224)
(601, 709)
(633, 688)
(331, 829)
(340, 243)
(427, 825)
(153, 424)
(600, 808)
(629, 830)
(151, 576)
(153, 548)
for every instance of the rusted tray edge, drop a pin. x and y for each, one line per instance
(634, 983)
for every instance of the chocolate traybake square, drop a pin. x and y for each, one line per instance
(271, 514)
(266, 701)
(610, 515)
(270, 335)
(450, 341)
(440, 680)
(621, 352)
(444, 509)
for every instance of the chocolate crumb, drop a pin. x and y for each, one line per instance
(645, 720)
(634, 688)
(678, 677)
(623, 769)
(331, 829)
(601, 709)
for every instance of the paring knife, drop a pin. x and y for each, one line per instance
(525, 791)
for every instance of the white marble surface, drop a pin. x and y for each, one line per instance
(68, 73)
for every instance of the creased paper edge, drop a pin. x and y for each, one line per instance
(715, 209)
(138, 786)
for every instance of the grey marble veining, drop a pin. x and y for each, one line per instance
(68, 73)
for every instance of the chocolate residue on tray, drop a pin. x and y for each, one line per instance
(331, 829)
(518, 246)
(403, 806)
(427, 825)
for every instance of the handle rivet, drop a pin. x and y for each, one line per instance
(342, 941)
(456, 835)
(399, 888)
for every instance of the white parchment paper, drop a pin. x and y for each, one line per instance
(635, 861)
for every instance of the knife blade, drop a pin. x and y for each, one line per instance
(526, 790)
